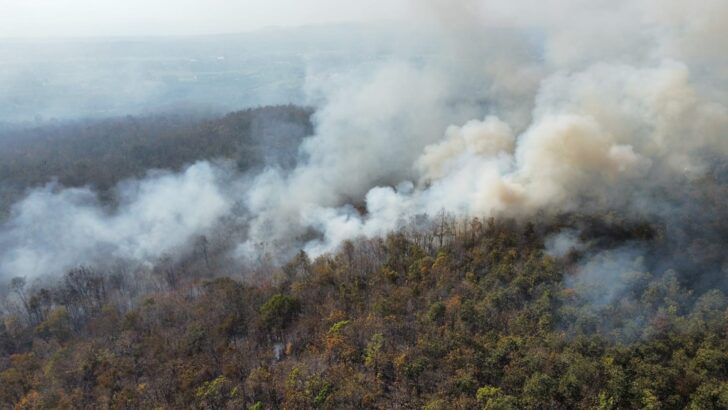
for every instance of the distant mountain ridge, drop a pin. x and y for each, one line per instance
(100, 153)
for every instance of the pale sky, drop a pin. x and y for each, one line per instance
(84, 18)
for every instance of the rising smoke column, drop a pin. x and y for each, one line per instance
(612, 124)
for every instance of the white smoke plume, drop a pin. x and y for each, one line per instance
(518, 109)
(561, 243)
(55, 229)
(599, 139)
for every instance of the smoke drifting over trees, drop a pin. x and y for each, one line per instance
(532, 202)
(520, 113)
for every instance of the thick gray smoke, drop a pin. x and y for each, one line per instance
(516, 109)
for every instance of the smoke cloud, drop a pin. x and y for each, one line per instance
(516, 110)
(55, 229)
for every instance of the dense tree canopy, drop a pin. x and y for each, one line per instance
(485, 320)
(441, 314)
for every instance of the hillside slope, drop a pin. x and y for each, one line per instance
(460, 315)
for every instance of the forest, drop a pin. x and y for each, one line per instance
(445, 313)
(464, 204)
(462, 315)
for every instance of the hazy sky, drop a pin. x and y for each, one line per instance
(64, 18)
